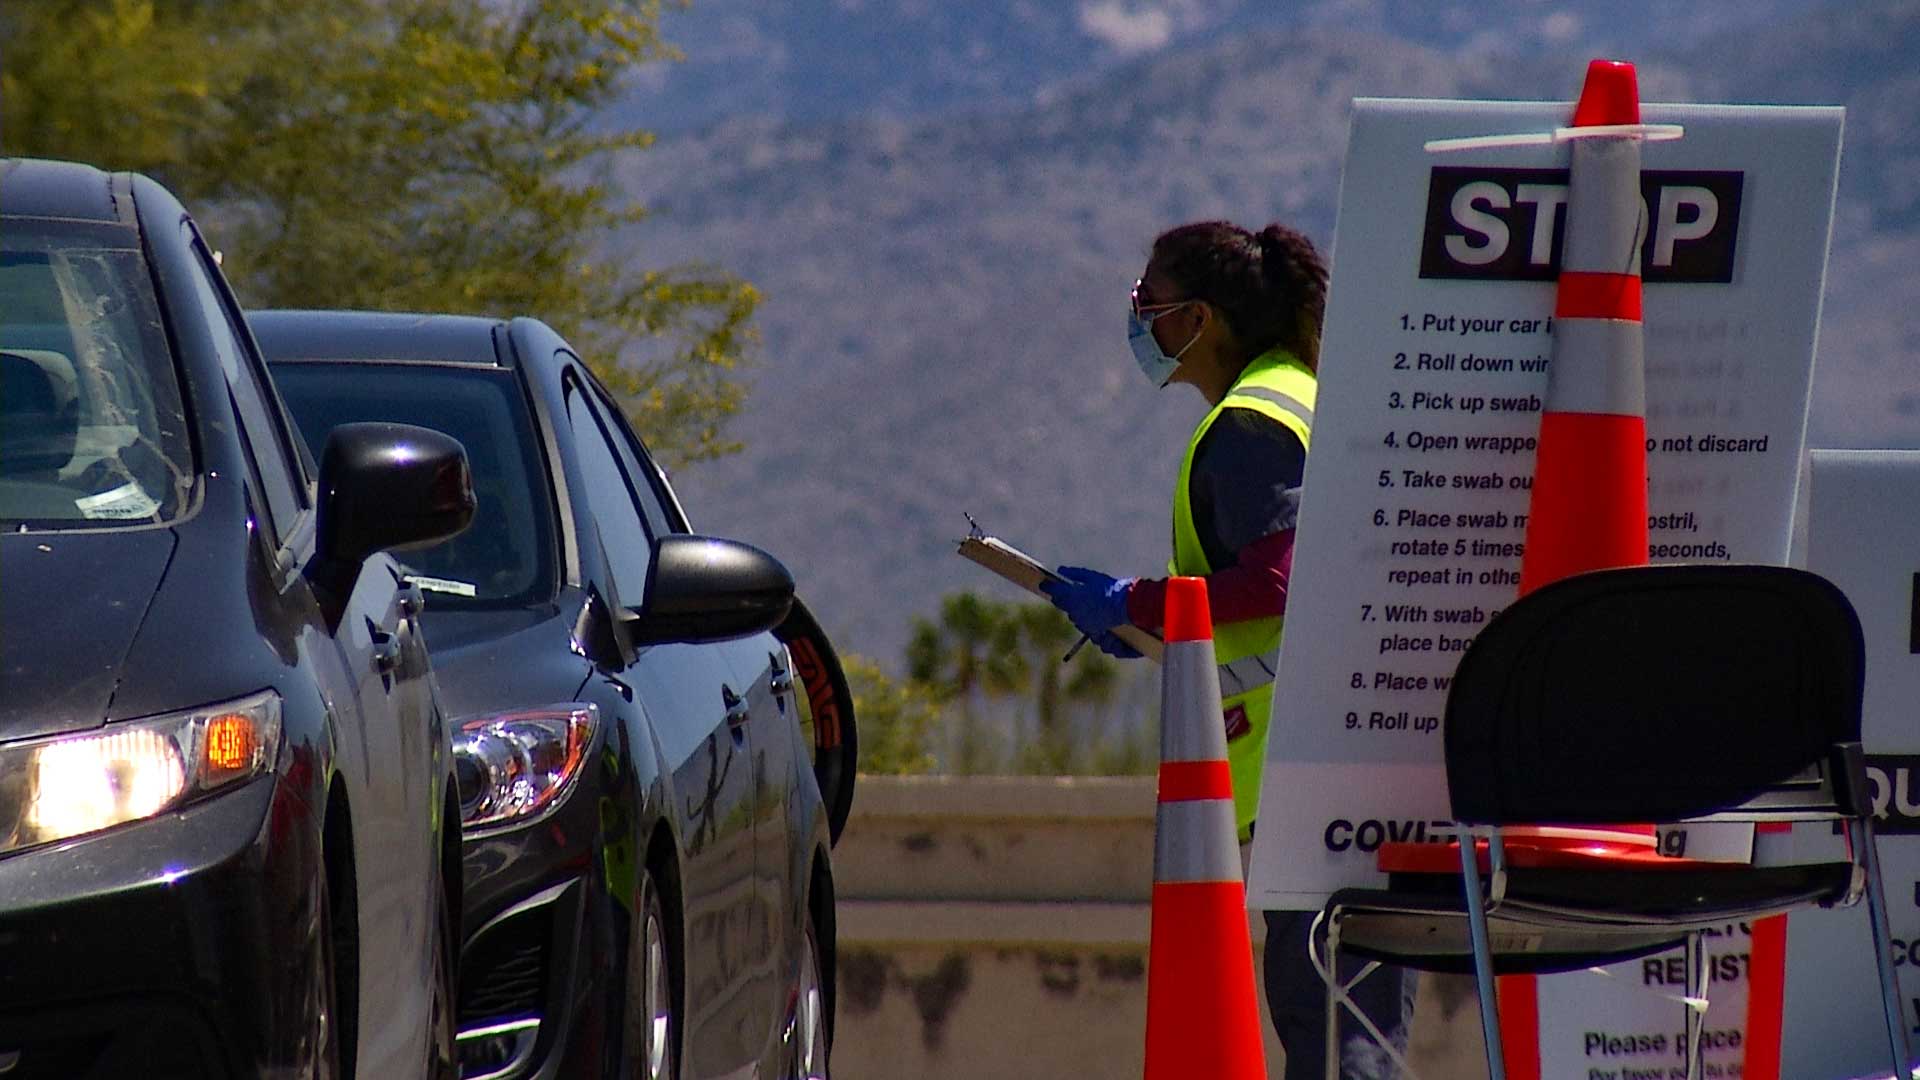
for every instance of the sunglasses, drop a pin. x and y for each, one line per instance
(1146, 313)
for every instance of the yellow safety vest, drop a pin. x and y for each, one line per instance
(1277, 386)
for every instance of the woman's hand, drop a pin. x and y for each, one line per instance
(1095, 602)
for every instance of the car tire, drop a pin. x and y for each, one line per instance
(443, 1056)
(835, 735)
(809, 1022)
(326, 1009)
(654, 991)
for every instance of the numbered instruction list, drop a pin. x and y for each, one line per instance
(1453, 431)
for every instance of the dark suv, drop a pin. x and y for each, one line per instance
(647, 877)
(229, 836)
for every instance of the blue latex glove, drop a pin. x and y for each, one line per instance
(1109, 642)
(1095, 602)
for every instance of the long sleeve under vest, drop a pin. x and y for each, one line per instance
(1244, 488)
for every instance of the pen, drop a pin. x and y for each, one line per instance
(1076, 648)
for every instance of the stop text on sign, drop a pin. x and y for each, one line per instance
(1509, 224)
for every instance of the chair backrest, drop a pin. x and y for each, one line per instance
(1660, 693)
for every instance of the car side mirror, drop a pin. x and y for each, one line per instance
(704, 589)
(388, 487)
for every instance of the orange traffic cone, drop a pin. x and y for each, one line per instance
(1588, 508)
(1203, 1015)
(1589, 501)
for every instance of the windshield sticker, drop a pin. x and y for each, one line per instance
(124, 503)
(443, 585)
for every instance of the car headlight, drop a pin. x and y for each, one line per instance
(71, 785)
(512, 766)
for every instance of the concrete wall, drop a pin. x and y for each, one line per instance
(997, 927)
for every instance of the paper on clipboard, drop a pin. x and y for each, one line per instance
(1027, 572)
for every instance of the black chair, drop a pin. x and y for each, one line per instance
(1648, 694)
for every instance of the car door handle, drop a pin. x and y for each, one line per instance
(386, 651)
(412, 601)
(738, 711)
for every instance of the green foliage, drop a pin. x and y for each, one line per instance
(974, 646)
(971, 653)
(982, 658)
(398, 155)
(1090, 679)
(896, 720)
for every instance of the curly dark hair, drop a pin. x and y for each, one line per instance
(1270, 285)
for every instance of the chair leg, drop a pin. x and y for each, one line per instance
(1861, 833)
(1697, 975)
(1482, 957)
(1331, 977)
(1339, 997)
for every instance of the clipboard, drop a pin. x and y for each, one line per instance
(1027, 572)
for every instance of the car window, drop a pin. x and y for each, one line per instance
(93, 429)
(623, 530)
(506, 558)
(637, 463)
(267, 441)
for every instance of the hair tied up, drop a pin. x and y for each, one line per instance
(1271, 285)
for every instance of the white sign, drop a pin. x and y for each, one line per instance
(1864, 536)
(1434, 365)
(1630, 1023)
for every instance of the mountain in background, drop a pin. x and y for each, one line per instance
(943, 329)
(806, 61)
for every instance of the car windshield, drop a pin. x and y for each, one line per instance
(505, 559)
(92, 431)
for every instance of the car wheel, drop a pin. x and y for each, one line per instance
(828, 721)
(807, 1022)
(325, 1033)
(653, 991)
(443, 1060)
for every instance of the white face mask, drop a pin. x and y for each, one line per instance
(1154, 362)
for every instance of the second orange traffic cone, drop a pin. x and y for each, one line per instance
(1203, 1015)
(1588, 509)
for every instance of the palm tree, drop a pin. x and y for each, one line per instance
(982, 650)
(970, 654)
(1090, 679)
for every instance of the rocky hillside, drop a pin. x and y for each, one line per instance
(946, 286)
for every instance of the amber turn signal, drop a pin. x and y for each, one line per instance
(230, 743)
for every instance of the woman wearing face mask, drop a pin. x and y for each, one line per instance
(1236, 315)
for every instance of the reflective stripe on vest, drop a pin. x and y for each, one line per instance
(1304, 412)
(1248, 673)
